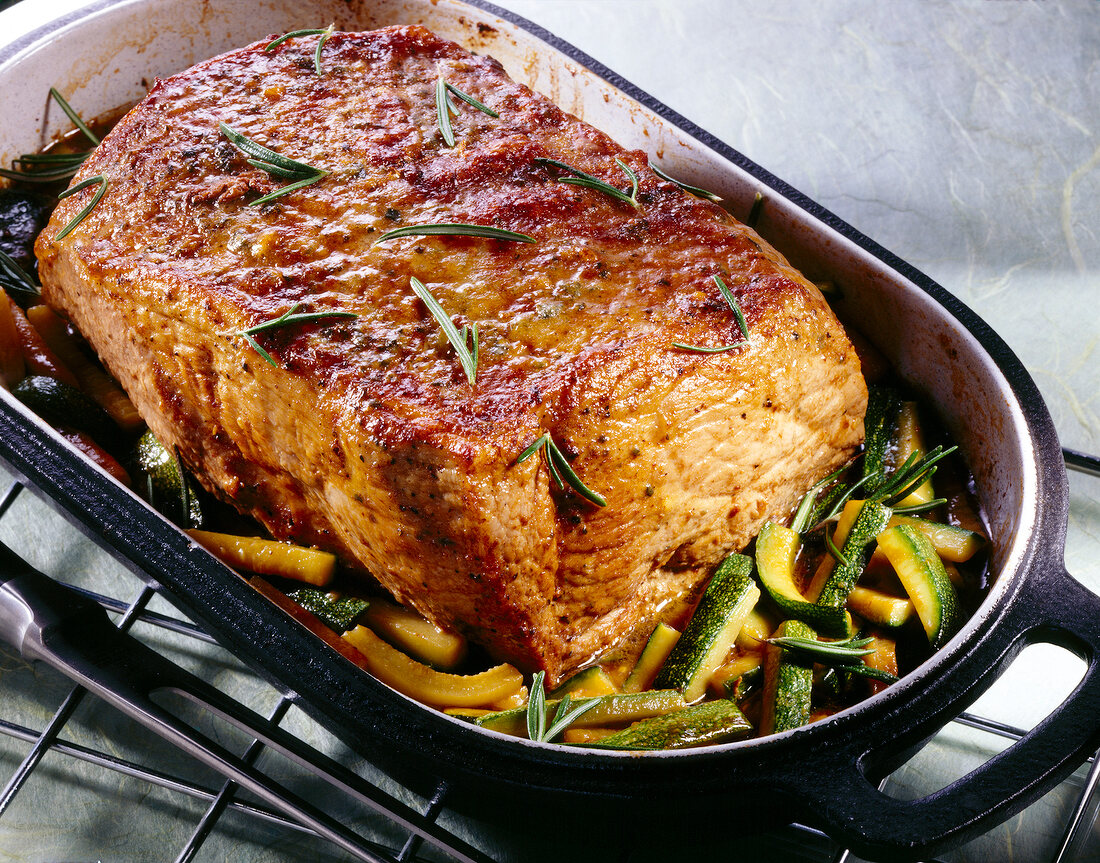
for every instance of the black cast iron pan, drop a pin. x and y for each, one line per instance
(824, 774)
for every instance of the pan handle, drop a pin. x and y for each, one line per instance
(840, 795)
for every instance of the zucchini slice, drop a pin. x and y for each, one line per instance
(956, 544)
(880, 608)
(924, 578)
(788, 683)
(591, 682)
(414, 634)
(910, 442)
(776, 550)
(872, 519)
(656, 651)
(712, 630)
(883, 404)
(622, 707)
(710, 722)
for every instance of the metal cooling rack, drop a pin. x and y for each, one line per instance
(221, 802)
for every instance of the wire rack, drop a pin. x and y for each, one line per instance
(203, 806)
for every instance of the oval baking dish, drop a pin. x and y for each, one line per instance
(826, 772)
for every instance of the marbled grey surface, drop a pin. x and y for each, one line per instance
(959, 134)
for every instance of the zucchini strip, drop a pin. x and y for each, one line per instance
(269, 557)
(610, 709)
(776, 550)
(415, 635)
(788, 682)
(656, 651)
(710, 722)
(871, 520)
(924, 578)
(712, 630)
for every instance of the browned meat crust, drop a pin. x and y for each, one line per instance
(367, 439)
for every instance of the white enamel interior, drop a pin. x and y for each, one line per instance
(107, 55)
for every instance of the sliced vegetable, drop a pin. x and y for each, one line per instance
(609, 709)
(951, 543)
(96, 453)
(414, 634)
(922, 574)
(870, 521)
(758, 625)
(788, 682)
(776, 551)
(712, 630)
(338, 612)
(438, 688)
(880, 608)
(710, 722)
(656, 651)
(62, 405)
(100, 386)
(910, 442)
(722, 681)
(268, 556)
(883, 404)
(37, 356)
(167, 487)
(591, 682)
(884, 659)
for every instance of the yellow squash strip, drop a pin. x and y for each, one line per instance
(757, 626)
(12, 368)
(911, 442)
(96, 383)
(585, 735)
(437, 688)
(269, 557)
(589, 683)
(657, 649)
(884, 658)
(881, 608)
(737, 667)
(408, 631)
(828, 562)
(510, 702)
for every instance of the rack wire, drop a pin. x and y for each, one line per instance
(222, 807)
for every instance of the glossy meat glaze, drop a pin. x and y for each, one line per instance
(367, 438)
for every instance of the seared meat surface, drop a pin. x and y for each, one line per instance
(366, 438)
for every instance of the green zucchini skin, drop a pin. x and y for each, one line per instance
(879, 423)
(776, 549)
(60, 404)
(710, 722)
(788, 683)
(712, 630)
(924, 578)
(167, 487)
(871, 521)
(621, 707)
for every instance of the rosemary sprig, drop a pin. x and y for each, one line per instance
(755, 210)
(274, 164)
(13, 279)
(72, 115)
(79, 217)
(742, 324)
(444, 107)
(695, 190)
(544, 729)
(580, 178)
(560, 469)
(324, 34)
(457, 339)
(287, 318)
(920, 507)
(455, 229)
(867, 671)
(911, 475)
(825, 652)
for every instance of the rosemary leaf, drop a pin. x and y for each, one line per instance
(560, 469)
(457, 339)
(701, 350)
(274, 164)
(13, 279)
(867, 671)
(443, 112)
(824, 651)
(566, 714)
(920, 507)
(79, 217)
(695, 190)
(580, 178)
(454, 229)
(536, 708)
(470, 100)
(324, 34)
(287, 318)
(72, 115)
(732, 300)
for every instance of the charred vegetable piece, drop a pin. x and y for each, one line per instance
(622, 707)
(788, 682)
(656, 651)
(407, 630)
(922, 574)
(62, 405)
(23, 216)
(713, 629)
(438, 688)
(338, 612)
(167, 487)
(268, 556)
(776, 550)
(710, 722)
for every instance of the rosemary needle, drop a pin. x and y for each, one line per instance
(560, 469)
(274, 164)
(580, 178)
(324, 34)
(467, 357)
(454, 229)
(79, 217)
(285, 319)
(444, 107)
(695, 190)
(742, 324)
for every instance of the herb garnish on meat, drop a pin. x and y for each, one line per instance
(276, 165)
(687, 187)
(286, 319)
(324, 34)
(444, 107)
(580, 178)
(457, 338)
(742, 324)
(560, 469)
(79, 217)
(454, 229)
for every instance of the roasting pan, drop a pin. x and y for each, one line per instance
(106, 54)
